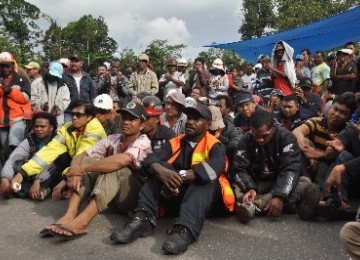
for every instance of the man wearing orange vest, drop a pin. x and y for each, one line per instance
(184, 178)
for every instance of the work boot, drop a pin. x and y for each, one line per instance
(245, 211)
(138, 226)
(308, 208)
(178, 241)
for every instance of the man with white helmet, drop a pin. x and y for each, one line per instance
(50, 93)
(104, 105)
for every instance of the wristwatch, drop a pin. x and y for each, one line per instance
(182, 174)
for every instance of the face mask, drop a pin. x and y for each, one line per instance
(50, 78)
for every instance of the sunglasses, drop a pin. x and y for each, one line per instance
(171, 65)
(263, 136)
(5, 65)
(77, 114)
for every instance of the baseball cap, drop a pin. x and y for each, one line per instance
(32, 65)
(103, 101)
(346, 51)
(305, 83)
(299, 57)
(135, 110)
(201, 110)
(75, 56)
(143, 56)
(217, 120)
(6, 58)
(177, 97)
(243, 97)
(277, 92)
(152, 106)
(56, 69)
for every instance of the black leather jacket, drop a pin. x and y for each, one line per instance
(283, 158)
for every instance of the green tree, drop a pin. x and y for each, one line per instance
(296, 13)
(18, 24)
(5, 45)
(159, 51)
(88, 37)
(127, 57)
(228, 57)
(52, 41)
(258, 16)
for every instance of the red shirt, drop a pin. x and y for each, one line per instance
(281, 82)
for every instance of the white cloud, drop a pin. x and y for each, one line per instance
(134, 24)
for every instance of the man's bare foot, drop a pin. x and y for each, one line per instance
(71, 228)
(61, 221)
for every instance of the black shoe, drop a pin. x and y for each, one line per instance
(308, 208)
(138, 226)
(178, 241)
(332, 212)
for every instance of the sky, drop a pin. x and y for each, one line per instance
(134, 24)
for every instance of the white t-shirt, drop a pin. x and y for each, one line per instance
(77, 80)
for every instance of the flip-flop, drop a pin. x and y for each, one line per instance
(46, 232)
(66, 237)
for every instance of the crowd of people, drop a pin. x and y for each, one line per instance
(280, 136)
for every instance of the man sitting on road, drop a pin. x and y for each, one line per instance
(184, 178)
(266, 173)
(113, 177)
(312, 137)
(72, 138)
(43, 130)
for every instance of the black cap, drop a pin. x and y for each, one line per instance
(305, 83)
(135, 110)
(201, 110)
(243, 97)
(75, 57)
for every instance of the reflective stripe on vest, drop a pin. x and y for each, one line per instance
(200, 154)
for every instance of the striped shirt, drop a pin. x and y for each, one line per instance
(319, 133)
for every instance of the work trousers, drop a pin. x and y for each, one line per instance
(195, 202)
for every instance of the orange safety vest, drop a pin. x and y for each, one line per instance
(200, 154)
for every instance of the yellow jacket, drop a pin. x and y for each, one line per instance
(65, 141)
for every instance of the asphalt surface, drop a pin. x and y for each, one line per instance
(221, 238)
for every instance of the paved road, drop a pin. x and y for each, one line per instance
(222, 238)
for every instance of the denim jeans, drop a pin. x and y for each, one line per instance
(12, 136)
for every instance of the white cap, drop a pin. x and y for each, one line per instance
(258, 66)
(103, 101)
(65, 61)
(218, 64)
(346, 51)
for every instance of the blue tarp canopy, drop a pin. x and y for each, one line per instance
(322, 35)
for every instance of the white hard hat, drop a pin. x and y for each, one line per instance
(103, 101)
(182, 63)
